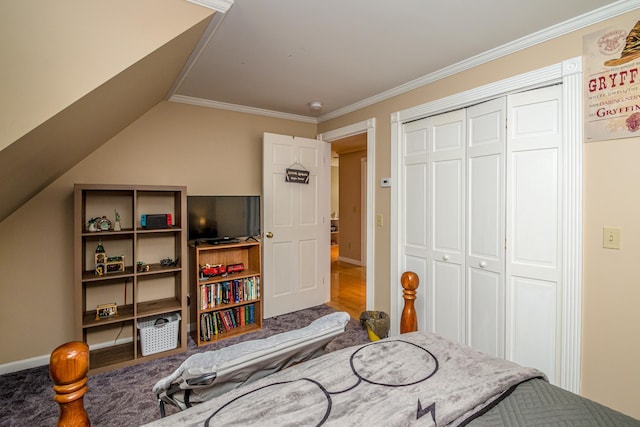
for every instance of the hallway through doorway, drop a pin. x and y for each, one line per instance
(348, 286)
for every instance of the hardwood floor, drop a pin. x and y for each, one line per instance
(348, 286)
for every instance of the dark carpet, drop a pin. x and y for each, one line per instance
(123, 397)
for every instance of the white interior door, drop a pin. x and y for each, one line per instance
(534, 215)
(296, 248)
(447, 224)
(414, 209)
(485, 226)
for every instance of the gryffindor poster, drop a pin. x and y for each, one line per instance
(612, 82)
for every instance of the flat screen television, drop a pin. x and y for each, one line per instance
(214, 219)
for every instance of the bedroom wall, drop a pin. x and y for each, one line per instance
(173, 144)
(350, 206)
(610, 347)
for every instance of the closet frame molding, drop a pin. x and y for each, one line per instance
(569, 74)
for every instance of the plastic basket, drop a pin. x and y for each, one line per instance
(158, 335)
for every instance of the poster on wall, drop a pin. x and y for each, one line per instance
(612, 82)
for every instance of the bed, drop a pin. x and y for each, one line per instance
(416, 378)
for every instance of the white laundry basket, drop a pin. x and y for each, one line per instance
(158, 333)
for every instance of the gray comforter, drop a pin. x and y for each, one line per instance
(414, 379)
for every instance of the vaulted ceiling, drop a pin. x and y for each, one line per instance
(279, 55)
(75, 73)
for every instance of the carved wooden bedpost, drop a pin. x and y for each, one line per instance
(409, 320)
(68, 369)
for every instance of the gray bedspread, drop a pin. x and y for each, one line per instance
(414, 379)
(538, 403)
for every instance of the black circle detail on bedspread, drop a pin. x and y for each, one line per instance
(369, 364)
(273, 409)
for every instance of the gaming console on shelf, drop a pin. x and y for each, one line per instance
(153, 221)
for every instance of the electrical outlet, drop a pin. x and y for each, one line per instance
(611, 237)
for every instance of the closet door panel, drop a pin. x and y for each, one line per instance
(535, 343)
(415, 209)
(448, 216)
(424, 293)
(485, 311)
(447, 223)
(533, 229)
(448, 294)
(486, 139)
(414, 198)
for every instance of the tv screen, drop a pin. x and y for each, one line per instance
(218, 218)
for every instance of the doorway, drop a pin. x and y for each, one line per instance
(350, 266)
(348, 217)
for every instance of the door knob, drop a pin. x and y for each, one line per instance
(269, 234)
(445, 257)
(483, 264)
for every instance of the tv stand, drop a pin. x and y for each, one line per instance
(222, 240)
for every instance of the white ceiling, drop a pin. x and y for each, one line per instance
(278, 55)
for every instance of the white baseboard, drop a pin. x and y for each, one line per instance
(43, 360)
(350, 261)
(21, 365)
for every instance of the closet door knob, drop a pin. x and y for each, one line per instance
(483, 264)
(269, 234)
(445, 257)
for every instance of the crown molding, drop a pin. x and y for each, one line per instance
(574, 24)
(241, 108)
(217, 5)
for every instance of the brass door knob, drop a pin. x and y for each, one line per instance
(269, 234)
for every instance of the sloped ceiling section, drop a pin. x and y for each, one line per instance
(38, 157)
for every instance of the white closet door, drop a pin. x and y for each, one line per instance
(447, 225)
(533, 229)
(485, 226)
(414, 197)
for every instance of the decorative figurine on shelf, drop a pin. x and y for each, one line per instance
(104, 224)
(92, 224)
(141, 267)
(116, 226)
(168, 262)
(101, 259)
(100, 248)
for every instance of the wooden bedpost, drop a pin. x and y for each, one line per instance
(68, 369)
(409, 320)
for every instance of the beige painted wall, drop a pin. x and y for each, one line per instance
(335, 191)
(350, 205)
(610, 344)
(611, 334)
(41, 46)
(210, 151)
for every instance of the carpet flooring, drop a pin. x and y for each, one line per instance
(123, 397)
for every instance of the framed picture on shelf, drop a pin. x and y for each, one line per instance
(105, 311)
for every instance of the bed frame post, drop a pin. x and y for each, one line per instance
(409, 320)
(68, 368)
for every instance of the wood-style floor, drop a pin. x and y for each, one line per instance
(348, 286)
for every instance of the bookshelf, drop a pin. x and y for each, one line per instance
(335, 232)
(155, 289)
(225, 304)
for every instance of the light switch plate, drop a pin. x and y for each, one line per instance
(611, 237)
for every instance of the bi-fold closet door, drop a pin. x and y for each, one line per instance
(480, 224)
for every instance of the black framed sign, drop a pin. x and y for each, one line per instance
(297, 176)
